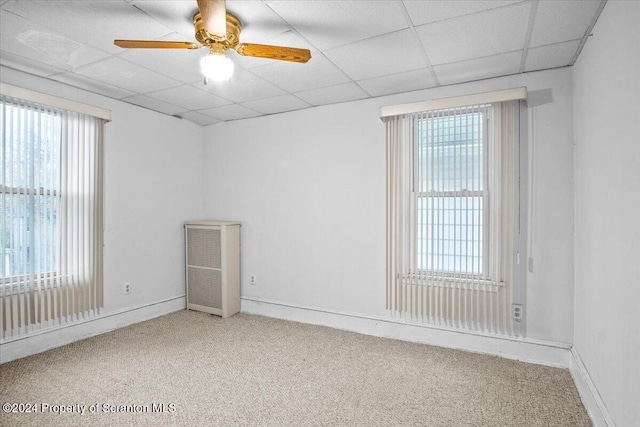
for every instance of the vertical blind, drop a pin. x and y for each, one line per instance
(450, 215)
(51, 228)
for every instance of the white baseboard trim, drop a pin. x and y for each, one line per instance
(527, 350)
(47, 339)
(589, 394)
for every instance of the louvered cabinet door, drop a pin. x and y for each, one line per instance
(213, 266)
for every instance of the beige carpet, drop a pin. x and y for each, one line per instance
(256, 371)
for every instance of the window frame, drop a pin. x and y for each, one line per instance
(485, 193)
(23, 280)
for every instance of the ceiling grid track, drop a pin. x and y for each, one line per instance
(588, 32)
(415, 35)
(361, 49)
(316, 51)
(527, 40)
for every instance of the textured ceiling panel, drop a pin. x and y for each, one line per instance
(277, 104)
(473, 36)
(243, 86)
(189, 97)
(294, 77)
(27, 39)
(425, 12)
(230, 112)
(154, 104)
(398, 83)
(560, 21)
(92, 85)
(175, 15)
(359, 49)
(27, 65)
(259, 22)
(480, 68)
(199, 118)
(96, 23)
(388, 54)
(124, 74)
(328, 24)
(333, 94)
(555, 55)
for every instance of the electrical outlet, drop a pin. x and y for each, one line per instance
(127, 288)
(517, 312)
(252, 280)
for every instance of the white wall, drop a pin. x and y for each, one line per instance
(153, 183)
(606, 86)
(309, 188)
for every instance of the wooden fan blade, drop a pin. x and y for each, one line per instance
(281, 53)
(154, 44)
(214, 17)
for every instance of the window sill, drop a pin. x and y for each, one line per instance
(461, 283)
(21, 284)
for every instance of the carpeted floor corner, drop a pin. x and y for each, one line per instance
(249, 370)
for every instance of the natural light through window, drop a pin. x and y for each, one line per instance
(451, 191)
(29, 196)
(51, 228)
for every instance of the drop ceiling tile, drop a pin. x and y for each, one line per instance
(551, 56)
(230, 112)
(333, 94)
(242, 87)
(278, 104)
(479, 68)
(482, 34)
(79, 21)
(175, 15)
(259, 22)
(189, 97)
(30, 66)
(558, 21)
(424, 12)
(398, 83)
(328, 24)
(182, 65)
(118, 72)
(387, 54)
(26, 39)
(293, 76)
(199, 118)
(91, 85)
(154, 104)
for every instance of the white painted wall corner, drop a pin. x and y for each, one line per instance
(589, 394)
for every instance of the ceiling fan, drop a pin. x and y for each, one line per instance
(219, 30)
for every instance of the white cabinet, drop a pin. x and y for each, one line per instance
(213, 266)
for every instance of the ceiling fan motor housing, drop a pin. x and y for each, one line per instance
(233, 32)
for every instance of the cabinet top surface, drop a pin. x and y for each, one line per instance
(212, 222)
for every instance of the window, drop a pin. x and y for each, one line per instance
(450, 175)
(29, 192)
(51, 204)
(451, 200)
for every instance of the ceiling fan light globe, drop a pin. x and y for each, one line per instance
(217, 67)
